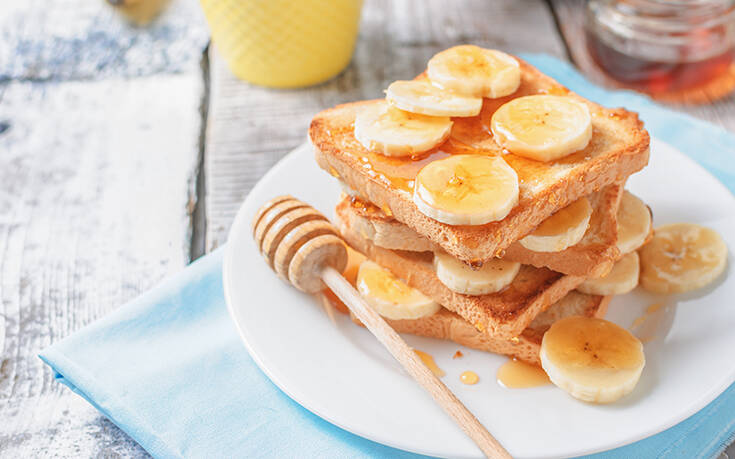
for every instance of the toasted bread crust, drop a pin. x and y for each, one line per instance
(450, 326)
(619, 147)
(593, 256)
(503, 314)
(447, 325)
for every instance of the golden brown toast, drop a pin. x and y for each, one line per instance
(618, 148)
(504, 314)
(450, 326)
(593, 256)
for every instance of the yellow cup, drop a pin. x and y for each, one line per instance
(284, 43)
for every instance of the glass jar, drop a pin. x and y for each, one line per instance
(676, 50)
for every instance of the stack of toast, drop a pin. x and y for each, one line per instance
(379, 216)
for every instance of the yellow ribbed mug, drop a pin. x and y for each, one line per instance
(284, 43)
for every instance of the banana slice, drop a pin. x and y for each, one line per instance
(390, 296)
(475, 72)
(493, 276)
(542, 127)
(466, 189)
(354, 260)
(622, 278)
(592, 359)
(394, 132)
(682, 257)
(634, 223)
(426, 99)
(563, 229)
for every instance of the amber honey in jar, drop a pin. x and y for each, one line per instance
(674, 50)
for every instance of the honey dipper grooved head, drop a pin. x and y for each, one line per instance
(297, 241)
(271, 216)
(265, 208)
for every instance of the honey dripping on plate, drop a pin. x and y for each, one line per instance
(650, 324)
(469, 378)
(516, 374)
(653, 308)
(429, 362)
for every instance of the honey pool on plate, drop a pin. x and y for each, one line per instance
(517, 374)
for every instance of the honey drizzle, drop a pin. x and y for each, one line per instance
(429, 362)
(400, 173)
(470, 135)
(469, 378)
(651, 309)
(516, 374)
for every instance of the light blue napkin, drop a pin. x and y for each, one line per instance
(170, 370)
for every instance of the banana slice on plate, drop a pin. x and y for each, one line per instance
(493, 276)
(394, 132)
(634, 223)
(390, 296)
(592, 359)
(622, 278)
(466, 189)
(426, 99)
(563, 229)
(542, 127)
(682, 257)
(475, 72)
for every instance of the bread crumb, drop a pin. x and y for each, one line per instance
(458, 355)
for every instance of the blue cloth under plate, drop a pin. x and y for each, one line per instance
(170, 370)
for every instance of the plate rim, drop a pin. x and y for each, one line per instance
(241, 226)
(238, 222)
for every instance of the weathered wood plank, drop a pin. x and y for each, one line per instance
(78, 39)
(570, 14)
(96, 180)
(250, 128)
(96, 187)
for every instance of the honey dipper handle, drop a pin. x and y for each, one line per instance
(413, 365)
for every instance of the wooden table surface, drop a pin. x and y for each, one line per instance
(125, 153)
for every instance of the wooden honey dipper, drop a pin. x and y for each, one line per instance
(303, 248)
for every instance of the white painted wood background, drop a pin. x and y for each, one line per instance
(98, 161)
(102, 135)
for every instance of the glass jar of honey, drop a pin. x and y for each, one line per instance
(674, 50)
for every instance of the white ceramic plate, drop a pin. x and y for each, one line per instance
(343, 375)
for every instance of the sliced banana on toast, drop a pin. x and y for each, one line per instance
(682, 257)
(542, 127)
(622, 278)
(422, 97)
(391, 131)
(390, 296)
(563, 229)
(634, 223)
(475, 72)
(592, 359)
(493, 276)
(466, 189)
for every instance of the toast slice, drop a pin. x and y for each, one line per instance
(593, 256)
(450, 326)
(618, 148)
(504, 314)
